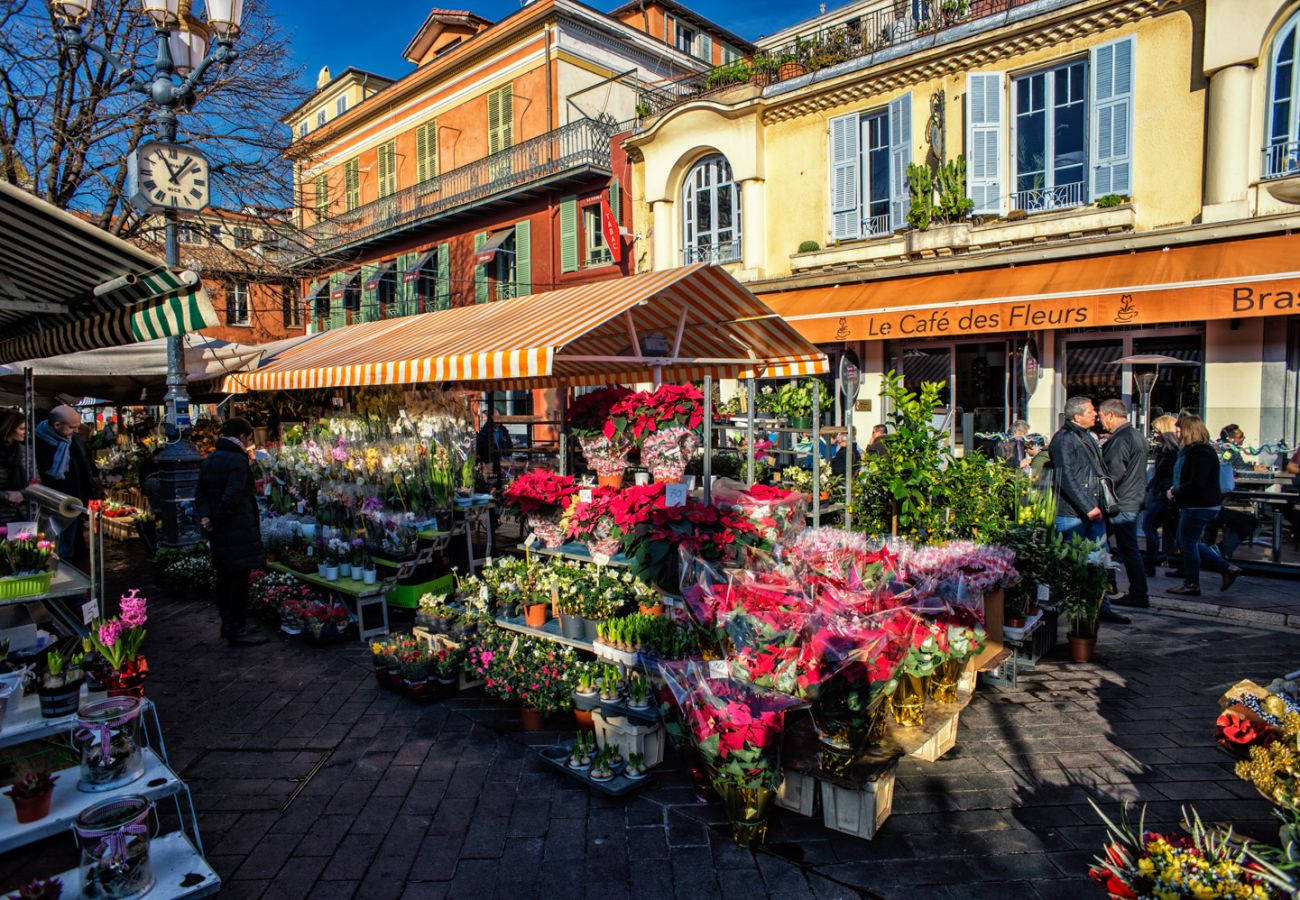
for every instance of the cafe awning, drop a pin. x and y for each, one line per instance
(1221, 280)
(67, 286)
(684, 322)
(486, 253)
(412, 272)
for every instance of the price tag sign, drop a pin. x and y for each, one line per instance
(17, 528)
(89, 610)
(718, 668)
(584, 495)
(531, 540)
(674, 494)
(514, 648)
(1044, 593)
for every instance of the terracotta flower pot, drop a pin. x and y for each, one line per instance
(1015, 622)
(791, 70)
(32, 809)
(531, 719)
(611, 481)
(583, 718)
(656, 609)
(1081, 648)
(535, 615)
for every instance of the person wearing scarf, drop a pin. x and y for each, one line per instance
(63, 463)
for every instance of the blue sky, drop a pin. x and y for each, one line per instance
(342, 33)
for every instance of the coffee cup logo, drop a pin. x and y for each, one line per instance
(1126, 312)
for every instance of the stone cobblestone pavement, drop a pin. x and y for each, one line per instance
(311, 782)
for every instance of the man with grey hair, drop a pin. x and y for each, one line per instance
(64, 464)
(1125, 455)
(1017, 451)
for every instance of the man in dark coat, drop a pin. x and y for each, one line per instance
(64, 464)
(226, 503)
(1125, 455)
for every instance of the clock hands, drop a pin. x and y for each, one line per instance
(163, 159)
(176, 176)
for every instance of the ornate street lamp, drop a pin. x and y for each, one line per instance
(165, 180)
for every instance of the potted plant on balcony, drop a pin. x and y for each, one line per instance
(766, 68)
(792, 62)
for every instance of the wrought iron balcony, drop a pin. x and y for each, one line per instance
(720, 252)
(890, 25)
(1063, 196)
(1281, 160)
(575, 149)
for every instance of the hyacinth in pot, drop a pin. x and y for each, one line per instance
(541, 497)
(587, 418)
(117, 642)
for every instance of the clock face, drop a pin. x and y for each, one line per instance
(170, 176)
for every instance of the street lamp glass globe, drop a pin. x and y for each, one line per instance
(72, 12)
(163, 12)
(224, 17)
(188, 46)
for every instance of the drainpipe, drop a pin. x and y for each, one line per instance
(551, 124)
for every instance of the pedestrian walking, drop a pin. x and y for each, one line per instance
(13, 464)
(1125, 456)
(1197, 493)
(1077, 470)
(1159, 517)
(64, 464)
(226, 503)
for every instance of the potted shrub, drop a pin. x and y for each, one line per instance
(604, 445)
(60, 687)
(31, 793)
(794, 402)
(1078, 587)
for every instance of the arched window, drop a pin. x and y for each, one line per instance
(1282, 138)
(710, 213)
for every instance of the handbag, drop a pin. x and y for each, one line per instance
(1107, 501)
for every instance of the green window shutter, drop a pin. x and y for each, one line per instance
(616, 200)
(351, 184)
(426, 150)
(480, 272)
(507, 117)
(523, 258)
(322, 196)
(369, 296)
(338, 314)
(387, 168)
(404, 294)
(569, 234)
(494, 122)
(442, 295)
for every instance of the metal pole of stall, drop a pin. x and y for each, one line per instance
(708, 440)
(29, 445)
(848, 466)
(817, 453)
(562, 436)
(749, 452)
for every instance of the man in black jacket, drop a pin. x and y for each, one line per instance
(64, 463)
(226, 503)
(1125, 455)
(1076, 470)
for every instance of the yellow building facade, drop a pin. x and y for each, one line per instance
(1111, 149)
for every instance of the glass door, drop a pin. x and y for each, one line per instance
(981, 381)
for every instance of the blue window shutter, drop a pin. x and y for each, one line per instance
(480, 272)
(900, 157)
(984, 136)
(442, 291)
(523, 258)
(846, 164)
(569, 234)
(1112, 118)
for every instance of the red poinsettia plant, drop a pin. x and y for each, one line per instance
(695, 529)
(587, 414)
(644, 413)
(541, 493)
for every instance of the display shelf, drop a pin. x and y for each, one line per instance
(179, 871)
(66, 582)
(574, 551)
(23, 722)
(550, 631)
(158, 781)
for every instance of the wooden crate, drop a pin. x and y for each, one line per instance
(859, 811)
(797, 793)
(939, 743)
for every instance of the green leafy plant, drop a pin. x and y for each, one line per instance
(1077, 575)
(938, 196)
(1107, 201)
(809, 246)
(737, 72)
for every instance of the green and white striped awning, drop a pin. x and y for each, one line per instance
(51, 263)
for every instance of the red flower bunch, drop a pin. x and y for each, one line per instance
(767, 619)
(642, 413)
(707, 532)
(635, 505)
(1237, 731)
(324, 612)
(587, 414)
(540, 491)
(593, 519)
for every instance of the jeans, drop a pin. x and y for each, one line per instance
(232, 600)
(1124, 526)
(1155, 510)
(1191, 526)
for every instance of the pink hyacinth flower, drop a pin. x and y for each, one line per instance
(109, 632)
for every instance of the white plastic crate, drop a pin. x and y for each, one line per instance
(858, 811)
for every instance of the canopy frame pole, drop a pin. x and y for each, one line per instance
(816, 453)
(662, 360)
(632, 335)
(494, 453)
(849, 449)
(29, 411)
(750, 393)
(708, 440)
(681, 329)
(561, 433)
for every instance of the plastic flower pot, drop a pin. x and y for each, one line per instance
(571, 626)
(612, 481)
(345, 570)
(32, 809)
(652, 609)
(1081, 648)
(535, 615)
(583, 718)
(531, 719)
(60, 701)
(331, 573)
(369, 576)
(320, 569)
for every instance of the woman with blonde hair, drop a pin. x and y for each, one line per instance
(1158, 519)
(1196, 491)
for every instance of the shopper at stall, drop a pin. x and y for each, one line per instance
(64, 464)
(877, 446)
(13, 464)
(1159, 517)
(1125, 456)
(1018, 450)
(1196, 491)
(840, 461)
(1077, 468)
(226, 504)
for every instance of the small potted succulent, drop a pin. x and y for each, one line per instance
(601, 769)
(635, 766)
(638, 692)
(60, 687)
(31, 793)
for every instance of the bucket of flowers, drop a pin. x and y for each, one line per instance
(541, 498)
(606, 448)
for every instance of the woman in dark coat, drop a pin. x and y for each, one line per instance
(1159, 521)
(226, 504)
(13, 464)
(1196, 491)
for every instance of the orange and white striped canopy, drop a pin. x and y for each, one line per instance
(688, 322)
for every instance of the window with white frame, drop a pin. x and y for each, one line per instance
(341, 105)
(237, 305)
(320, 118)
(710, 213)
(189, 233)
(1069, 128)
(869, 156)
(1282, 125)
(593, 238)
(685, 38)
(302, 128)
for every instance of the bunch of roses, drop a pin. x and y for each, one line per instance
(978, 568)
(647, 412)
(587, 414)
(736, 727)
(541, 492)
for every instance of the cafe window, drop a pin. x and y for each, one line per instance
(974, 376)
(237, 305)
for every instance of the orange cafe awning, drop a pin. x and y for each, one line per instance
(685, 322)
(1221, 280)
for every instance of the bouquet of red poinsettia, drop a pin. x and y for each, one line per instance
(645, 413)
(694, 529)
(845, 559)
(587, 414)
(775, 512)
(592, 522)
(541, 493)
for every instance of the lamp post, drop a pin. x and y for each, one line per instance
(181, 62)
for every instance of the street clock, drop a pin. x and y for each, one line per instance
(168, 177)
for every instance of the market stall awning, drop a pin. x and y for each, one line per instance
(67, 286)
(1220, 280)
(686, 322)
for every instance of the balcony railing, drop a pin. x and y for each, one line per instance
(585, 143)
(875, 226)
(721, 252)
(892, 24)
(1042, 199)
(1281, 160)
